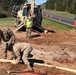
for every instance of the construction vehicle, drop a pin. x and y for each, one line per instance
(25, 11)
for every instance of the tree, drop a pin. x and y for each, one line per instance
(13, 2)
(62, 5)
(8, 4)
(67, 2)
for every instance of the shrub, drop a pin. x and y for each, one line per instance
(3, 15)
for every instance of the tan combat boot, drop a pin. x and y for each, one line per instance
(29, 68)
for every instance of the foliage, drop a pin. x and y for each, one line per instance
(62, 5)
(13, 2)
(8, 4)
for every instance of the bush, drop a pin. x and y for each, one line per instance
(3, 15)
(73, 11)
(6, 8)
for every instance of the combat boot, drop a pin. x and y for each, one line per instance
(5, 55)
(29, 68)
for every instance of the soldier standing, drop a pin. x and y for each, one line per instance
(28, 28)
(22, 51)
(7, 41)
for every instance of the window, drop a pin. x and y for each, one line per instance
(25, 13)
(16, 8)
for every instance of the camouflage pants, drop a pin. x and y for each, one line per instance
(28, 32)
(26, 54)
(23, 55)
(12, 53)
(7, 47)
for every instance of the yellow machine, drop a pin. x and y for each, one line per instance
(25, 11)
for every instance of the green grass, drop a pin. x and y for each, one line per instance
(59, 13)
(53, 25)
(7, 21)
(56, 25)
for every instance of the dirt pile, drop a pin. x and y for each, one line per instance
(54, 55)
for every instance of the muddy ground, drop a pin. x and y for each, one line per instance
(53, 48)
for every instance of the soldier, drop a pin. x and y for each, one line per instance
(7, 41)
(28, 28)
(22, 51)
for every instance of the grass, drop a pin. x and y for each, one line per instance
(7, 21)
(53, 25)
(56, 26)
(59, 13)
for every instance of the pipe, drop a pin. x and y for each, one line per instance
(61, 68)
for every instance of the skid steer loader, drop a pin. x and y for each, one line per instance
(25, 11)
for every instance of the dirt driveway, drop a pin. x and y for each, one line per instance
(59, 49)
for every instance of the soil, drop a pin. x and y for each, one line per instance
(53, 48)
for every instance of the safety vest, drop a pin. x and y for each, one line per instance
(28, 24)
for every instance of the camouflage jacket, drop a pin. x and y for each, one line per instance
(7, 36)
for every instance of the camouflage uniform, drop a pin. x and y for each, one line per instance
(24, 49)
(7, 41)
(28, 32)
(28, 28)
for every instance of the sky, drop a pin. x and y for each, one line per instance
(38, 2)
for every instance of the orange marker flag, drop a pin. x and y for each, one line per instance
(75, 23)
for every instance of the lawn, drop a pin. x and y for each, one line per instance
(7, 21)
(56, 25)
(45, 23)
